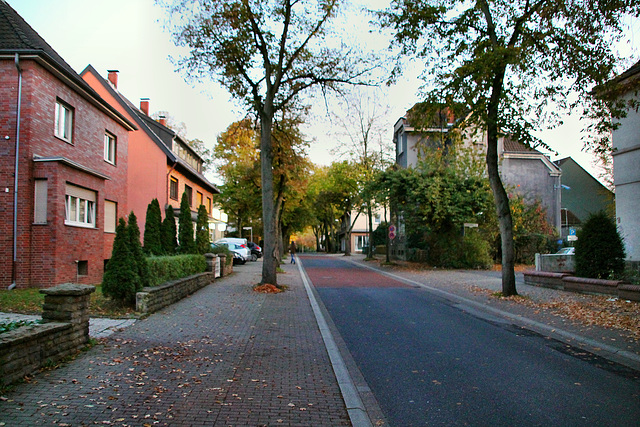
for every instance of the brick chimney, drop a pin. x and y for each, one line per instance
(162, 120)
(144, 105)
(113, 77)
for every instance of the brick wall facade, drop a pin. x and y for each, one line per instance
(47, 253)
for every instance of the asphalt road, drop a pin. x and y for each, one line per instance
(430, 362)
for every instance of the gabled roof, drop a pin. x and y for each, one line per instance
(512, 146)
(18, 37)
(161, 135)
(569, 160)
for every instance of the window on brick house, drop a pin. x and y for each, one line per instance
(79, 207)
(40, 201)
(189, 192)
(109, 148)
(198, 199)
(83, 268)
(173, 188)
(209, 205)
(63, 122)
(110, 216)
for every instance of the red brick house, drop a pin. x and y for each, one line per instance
(63, 165)
(162, 165)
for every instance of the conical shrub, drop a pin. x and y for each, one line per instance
(599, 249)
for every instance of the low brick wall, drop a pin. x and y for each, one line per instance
(545, 279)
(152, 299)
(65, 331)
(583, 285)
(591, 286)
(630, 292)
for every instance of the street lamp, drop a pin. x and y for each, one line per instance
(249, 228)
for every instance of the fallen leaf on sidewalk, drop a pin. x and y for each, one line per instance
(267, 288)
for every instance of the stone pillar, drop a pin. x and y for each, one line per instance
(211, 262)
(223, 264)
(69, 303)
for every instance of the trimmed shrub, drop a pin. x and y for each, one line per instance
(203, 245)
(599, 249)
(136, 251)
(185, 227)
(121, 275)
(165, 268)
(153, 229)
(451, 250)
(169, 232)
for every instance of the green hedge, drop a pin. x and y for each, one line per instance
(166, 268)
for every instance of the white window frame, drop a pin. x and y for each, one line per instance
(63, 122)
(79, 207)
(361, 241)
(109, 148)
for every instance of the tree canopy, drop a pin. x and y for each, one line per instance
(266, 54)
(506, 62)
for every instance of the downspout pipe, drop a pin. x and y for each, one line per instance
(15, 182)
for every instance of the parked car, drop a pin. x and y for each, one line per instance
(236, 240)
(255, 250)
(243, 253)
(566, 251)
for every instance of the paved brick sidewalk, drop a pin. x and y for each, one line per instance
(225, 356)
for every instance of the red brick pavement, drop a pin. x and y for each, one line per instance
(225, 356)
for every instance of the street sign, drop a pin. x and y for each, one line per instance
(571, 238)
(572, 231)
(392, 232)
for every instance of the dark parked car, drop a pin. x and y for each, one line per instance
(255, 250)
(238, 257)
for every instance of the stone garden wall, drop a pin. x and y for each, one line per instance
(64, 331)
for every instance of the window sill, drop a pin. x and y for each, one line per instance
(80, 225)
(68, 141)
(110, 162)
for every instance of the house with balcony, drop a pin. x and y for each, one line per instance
(162, 164)
(63, 165)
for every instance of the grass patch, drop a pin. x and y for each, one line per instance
(25, 301)
(29, 301)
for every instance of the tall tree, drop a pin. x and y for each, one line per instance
(507, 60)
(185, 227)
(169, 232)
(266, 53)
(203, 244)
(153, 229)
(121, 274)
(136, 252)
(238, 164)
(363, 122)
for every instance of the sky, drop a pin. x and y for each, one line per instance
(128, 35)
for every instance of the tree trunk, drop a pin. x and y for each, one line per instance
(270, 255)
(501, 199)
(347, 234)
(369, 214)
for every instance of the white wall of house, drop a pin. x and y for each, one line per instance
(626, 176)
